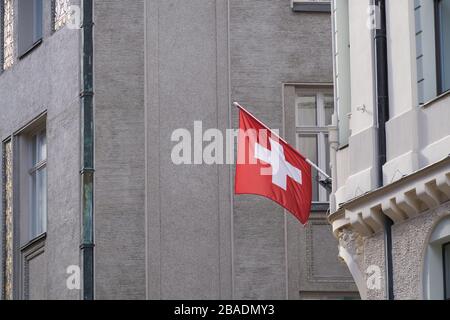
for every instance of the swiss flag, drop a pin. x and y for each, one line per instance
(268, 166)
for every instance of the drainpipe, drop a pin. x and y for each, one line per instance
(87, 151)
(334, 146)
(383, 117)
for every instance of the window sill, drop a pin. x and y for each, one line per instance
(306, 6)
(33, 242)
(433, 101)
(32, 48)
(320, 207)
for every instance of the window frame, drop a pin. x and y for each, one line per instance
(35, 168)
(320, 130)
(311, 6)
(24, 49)
(24, 138)
(439, 63)
(445, 246)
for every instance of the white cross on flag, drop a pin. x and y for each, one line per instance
(268, 166)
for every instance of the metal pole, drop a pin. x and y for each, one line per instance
(87, 158)
(383, 116)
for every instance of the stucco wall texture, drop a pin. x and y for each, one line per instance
(47, 80)
(410, 242)
(409, 247)
(164, 231)
(180, 227)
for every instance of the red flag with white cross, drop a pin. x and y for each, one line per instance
(268, 166)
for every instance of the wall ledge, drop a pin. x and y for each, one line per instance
(404, 199)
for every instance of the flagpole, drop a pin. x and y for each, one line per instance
(318, 169)
(315, 166)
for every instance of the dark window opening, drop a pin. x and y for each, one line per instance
(446, 265)
(442, 12)
(30, 25)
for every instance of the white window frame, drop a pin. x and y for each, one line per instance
(33, 171)
(320, 130)
(433, 268)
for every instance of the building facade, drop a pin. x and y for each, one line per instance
(87, 118)
(390, 146)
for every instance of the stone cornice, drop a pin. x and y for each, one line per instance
(404, 199)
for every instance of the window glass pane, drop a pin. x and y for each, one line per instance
(39, 148)
(444, 17)
(37, 7)
(328, 101)
(42, 146)
(306, 110)
(38, 185)
(447, 270)
(30, 24)
(34, 214)
(41, 199)
(327, 155)
(307, 146)
(327, 164)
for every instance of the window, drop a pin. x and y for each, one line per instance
(341, 25)
(446, 266)
(432, 26)
(7, 33)
(38, 180)
(313, 113)
(311, 5)
(30, 25)
(436, 272)
(60, 13)
(8, 232)
(442, 14)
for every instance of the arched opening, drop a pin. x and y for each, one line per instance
(436, 275)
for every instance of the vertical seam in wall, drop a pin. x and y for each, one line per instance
(146, 255)
(219, 233)
(230, 120)
(159, 160)
(2, 219)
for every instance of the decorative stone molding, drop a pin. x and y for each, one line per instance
(312, 275)
(404, 199)
(351, 251)
(29, 252)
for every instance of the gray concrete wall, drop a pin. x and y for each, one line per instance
(119, 149)
(188, 207)
(202, 242)
(166, 231)
(160, 66)
(48, 80)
